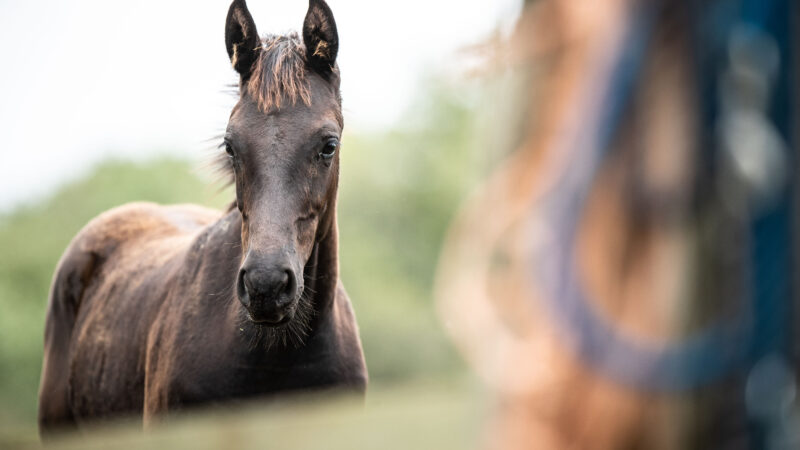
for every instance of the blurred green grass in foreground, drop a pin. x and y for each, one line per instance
(423, 416)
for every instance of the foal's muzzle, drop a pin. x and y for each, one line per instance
(268, 290)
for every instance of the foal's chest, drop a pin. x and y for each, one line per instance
(245, 374)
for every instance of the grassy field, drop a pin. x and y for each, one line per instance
(398, 192)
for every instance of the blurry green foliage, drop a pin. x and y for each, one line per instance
(398, 191)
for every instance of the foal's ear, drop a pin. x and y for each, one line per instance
(241, 38)
(320, 36)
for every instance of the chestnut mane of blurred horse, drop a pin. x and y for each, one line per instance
(660, 245)
(158, 308)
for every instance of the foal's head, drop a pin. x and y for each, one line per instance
(282, 144)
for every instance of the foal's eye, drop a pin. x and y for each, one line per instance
(329, 149)
(229, 150)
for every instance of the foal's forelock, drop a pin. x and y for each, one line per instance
(279, 73)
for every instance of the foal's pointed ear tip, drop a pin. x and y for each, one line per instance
(312, 3)
(241, 4)
(238, 4)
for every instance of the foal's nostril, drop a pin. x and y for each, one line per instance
(241, 288)
(282, 280)
(283, 284)
(291, 281)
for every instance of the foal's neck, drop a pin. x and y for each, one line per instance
(321, 272)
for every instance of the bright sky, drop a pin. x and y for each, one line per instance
(82, 81)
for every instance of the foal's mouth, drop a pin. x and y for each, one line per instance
(291, 330)
(266, 323)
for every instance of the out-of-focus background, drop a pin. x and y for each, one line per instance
(105, 103)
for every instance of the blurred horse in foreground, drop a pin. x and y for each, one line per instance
(624, 279)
